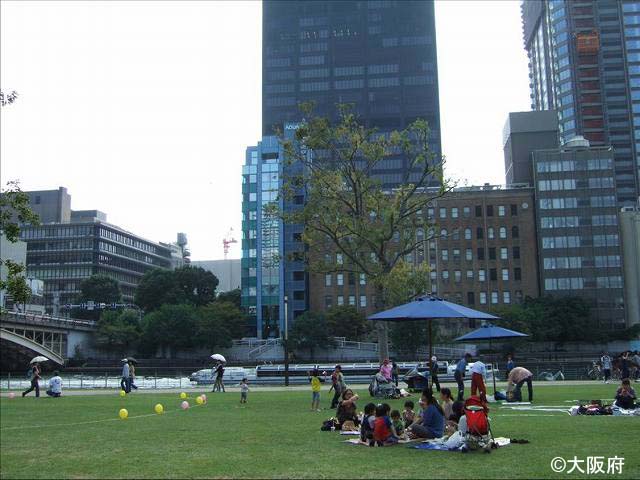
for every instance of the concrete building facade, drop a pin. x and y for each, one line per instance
(629, 219)
(226, 271)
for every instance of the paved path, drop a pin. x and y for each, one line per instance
(358, 388)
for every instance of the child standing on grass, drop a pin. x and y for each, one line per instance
(244, 389)
(316, 386)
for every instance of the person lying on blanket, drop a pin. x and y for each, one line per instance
(432, 418)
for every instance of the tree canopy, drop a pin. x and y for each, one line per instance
(347, 321)
(309, 332)
(187, 285)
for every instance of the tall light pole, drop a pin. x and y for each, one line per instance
(286, 341)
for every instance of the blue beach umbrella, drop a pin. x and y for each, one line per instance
(429, 308)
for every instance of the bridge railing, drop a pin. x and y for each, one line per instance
(46, 320)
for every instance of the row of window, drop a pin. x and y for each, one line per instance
(482, 275)
(575, 221)
(133, 254)
(60, 272)
(133, 242)
(574, 241)
(579, 283)
(339, 277)
(77, 244)
(598, 261)
(574, 165)
(573, 202)
(466, 211)
(28, 233)
(572, 184)
(480, 253)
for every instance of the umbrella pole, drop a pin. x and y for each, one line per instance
(493, 372)
(430, 357)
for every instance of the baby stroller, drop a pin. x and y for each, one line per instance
(479, 434)
(416, 381)
(380, 387)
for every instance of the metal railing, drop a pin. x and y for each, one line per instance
(46, 320)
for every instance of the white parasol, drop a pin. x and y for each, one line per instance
(38, 359)
(219, 358)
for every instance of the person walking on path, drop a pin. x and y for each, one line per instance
(510, 364)
(605, 360)
(132, 376)
(459, 374)
(518, 376)
(35, 377)
(124, 383)
(219, 385)
(337, 384)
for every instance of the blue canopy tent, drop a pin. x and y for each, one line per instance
(489, 332)
(429, 307)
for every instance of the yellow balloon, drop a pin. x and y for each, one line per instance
(123, 413)
(159, 408)
(122, 393)
(183, 395)
(199, 400)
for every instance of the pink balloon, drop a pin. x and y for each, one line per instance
(12, 395)
(184, 405)
(204, 397)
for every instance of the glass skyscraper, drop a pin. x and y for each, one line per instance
(379, 56)
(584, 62)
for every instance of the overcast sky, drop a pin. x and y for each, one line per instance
(144, 110)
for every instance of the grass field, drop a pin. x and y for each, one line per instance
(275, 435)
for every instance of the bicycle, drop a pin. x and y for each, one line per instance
(550, 376)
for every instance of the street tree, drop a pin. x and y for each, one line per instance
(118, 331)
(347, 210)
(168, 329)
(218, 324)
(347, 321)
(310, 332)
(14, 211)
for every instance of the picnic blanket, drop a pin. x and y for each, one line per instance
(349, 432)
(451, 446)
(357, 441)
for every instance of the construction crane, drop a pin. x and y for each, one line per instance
(227, 241)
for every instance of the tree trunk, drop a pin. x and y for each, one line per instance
(382, 327)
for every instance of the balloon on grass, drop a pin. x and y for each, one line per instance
(158, 408)
(123, 413)
(199, 400)
(12, 395)
(183, 395)
(184, 405)
(204, 398)
(122, 393)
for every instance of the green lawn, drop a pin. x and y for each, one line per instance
(276, 436)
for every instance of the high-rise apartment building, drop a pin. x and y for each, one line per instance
(379, 56)
(584, 62)
(578, 228)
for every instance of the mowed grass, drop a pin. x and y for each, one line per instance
(276, 436)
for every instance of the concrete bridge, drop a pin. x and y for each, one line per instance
(23, 336)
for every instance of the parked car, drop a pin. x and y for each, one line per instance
(206, 376)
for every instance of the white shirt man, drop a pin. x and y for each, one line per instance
(479, 368)
(55, 385)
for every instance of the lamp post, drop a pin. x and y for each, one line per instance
(286, 342)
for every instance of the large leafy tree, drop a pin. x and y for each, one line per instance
(14, 211)
(118, 331)
(218, 324)
(99, 289)
(347, 321)
(186, 285)
(347, 211)
(310, 332)
(232, 296)
(169, 328)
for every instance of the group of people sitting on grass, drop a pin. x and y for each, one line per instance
(380, 425)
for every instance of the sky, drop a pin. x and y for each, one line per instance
(143, 110)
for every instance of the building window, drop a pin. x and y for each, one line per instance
(479, 233)
(493, 274)
(363, 279)
(298, 276)
(492, 253)
(457, 276)
(470, 274)
(469, 254)
(352, 300)
(466, 212)
(328, 279)
(503, 232)
(467, 234)
(456, 254)
(443, 233)
(480, 253)
(517, 274)
(454, 212)
(490, 233)
(298, 295)
(340, 300)
(505, 274)
(494, 297)
(339, 279)
(489, 210)
(351, 278)
(471, 298)
(445, 255)
(483, 298)
(328, 302)
(504, 255)
(506, 297)
(443, 212)
(481, 275)
(339, 259)
(519, 296)
(478, 210)
(516, 252)
(363, 301)
(445, 275)
(514, 210)
(501, 210)
(515, 232)
(456, 234)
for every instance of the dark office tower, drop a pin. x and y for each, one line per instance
(584, 62)
(523, 133)
(378, 55)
